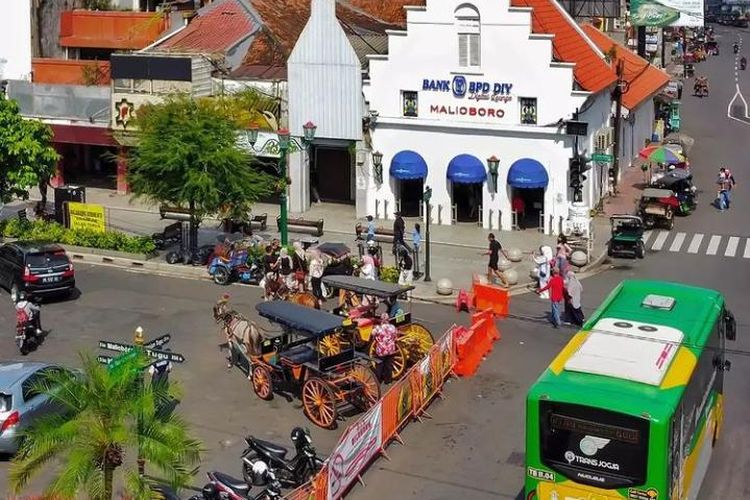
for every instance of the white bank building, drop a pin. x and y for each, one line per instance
(473, 100)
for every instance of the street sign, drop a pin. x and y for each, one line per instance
(602, 158)
(115, 346)
(105, 360)
(151, 353)
(158, 342)
(117, 360)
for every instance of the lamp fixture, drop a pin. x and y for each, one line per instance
(493, 163)
(377, 166)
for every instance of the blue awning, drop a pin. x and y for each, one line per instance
(408, 165)
(527, 174)
(466, 169)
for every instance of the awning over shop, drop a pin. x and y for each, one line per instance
(408, 165)
(78, 134)
(527, 174)
(466, 169)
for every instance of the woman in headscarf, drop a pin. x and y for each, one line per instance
(574, 290)
(543, 261)
(299, 266)
(317, 267)
(284, 267)
(368, 267)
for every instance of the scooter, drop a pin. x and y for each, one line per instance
(290, 472)
(28, 338)
(223, 486)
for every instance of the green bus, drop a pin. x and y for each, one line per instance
(632, 406)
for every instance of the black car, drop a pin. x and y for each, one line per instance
(36, 268)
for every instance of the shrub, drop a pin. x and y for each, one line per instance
(389, 274)
(55, 233)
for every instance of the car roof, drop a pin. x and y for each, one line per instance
(37, 246)
(11, 372)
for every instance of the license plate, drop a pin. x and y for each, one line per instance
(51, 279)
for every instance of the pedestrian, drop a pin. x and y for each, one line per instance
(543, 262)
(399, 228)
(299, 266)
(159, 372)
(493, 271)
(563, 254)
(729, 178)
(368, 271)
(276, 247)
(574, 289)
(556, 287)
(406, 265)
(384, 336)
(370, 229)
(373, 251)
(416, 240)
(722, 192)
(317, 267)
(679, 90)
(284, 267)
(519, 207)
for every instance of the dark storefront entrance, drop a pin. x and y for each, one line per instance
(331, 174)
(527, 182)
(467, 175)
(88, 156)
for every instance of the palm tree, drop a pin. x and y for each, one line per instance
(99, 433)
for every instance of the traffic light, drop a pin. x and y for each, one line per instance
(577, 166)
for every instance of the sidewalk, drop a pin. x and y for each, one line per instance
(456, 251)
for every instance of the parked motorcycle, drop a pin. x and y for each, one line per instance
(289, 472)
(200, 257)
(223, 486)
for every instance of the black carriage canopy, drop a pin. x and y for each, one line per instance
(301, 319)
(335, 250)
(364, 286)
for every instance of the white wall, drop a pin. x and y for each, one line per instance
(15, 40)
(636, 129)
(598, 116)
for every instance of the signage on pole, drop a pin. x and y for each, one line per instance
(602, 158)
(150, 352)
(158, 342)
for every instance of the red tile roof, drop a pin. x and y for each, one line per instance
(643, 78)
(110, 30)
(217, 28)
(569, 45)
(391, 11)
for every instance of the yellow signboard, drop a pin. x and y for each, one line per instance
(86, 216)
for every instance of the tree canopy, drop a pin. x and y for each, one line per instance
(98, 434)
(26, 156)
(187, 156)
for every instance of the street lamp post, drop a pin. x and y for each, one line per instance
(138, 341)
(493, 163)
(284, 144)
(428, 212)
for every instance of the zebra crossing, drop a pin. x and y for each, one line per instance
(712, 244)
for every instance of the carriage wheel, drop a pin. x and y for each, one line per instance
(370, 386)
(306, 299)
(319, 402)
(262, 384)
(416, 341)
(398, 363)
(332, 344)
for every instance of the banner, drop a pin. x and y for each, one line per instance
(86, 216)
(666, 13)
(360, 443)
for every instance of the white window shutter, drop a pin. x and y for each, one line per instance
(463, 50)
(474, 50)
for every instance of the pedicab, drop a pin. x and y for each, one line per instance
(293, 362)
(657, 206)
(626, 237)
(361, 300)
(680, 182)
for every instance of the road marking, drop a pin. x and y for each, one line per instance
(713, 245)
(746, 255)
(695, 244)
(660, 239)
(732, 246)
(677, 243)
(646, 236)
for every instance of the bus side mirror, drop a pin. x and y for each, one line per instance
(730, 326)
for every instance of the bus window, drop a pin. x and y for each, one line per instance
(594, 446)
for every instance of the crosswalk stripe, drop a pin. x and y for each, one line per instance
(713, 245)
(695, 244)
(747, 249)
(646, 236)
(659, 241)
(731, 246)
(677, 243)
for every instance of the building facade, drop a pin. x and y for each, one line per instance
(466, 83)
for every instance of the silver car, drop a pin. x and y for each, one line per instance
(20, 404)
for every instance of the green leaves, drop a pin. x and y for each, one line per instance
(26, 156)
(187, 152)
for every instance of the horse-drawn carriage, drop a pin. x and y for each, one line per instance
(359, 301)
(293, 362)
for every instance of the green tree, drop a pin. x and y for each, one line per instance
(26, 157)
(187, 156)
(109, 416)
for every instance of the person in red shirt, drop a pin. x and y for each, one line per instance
(556, 287)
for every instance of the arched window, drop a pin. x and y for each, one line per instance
(469, 44)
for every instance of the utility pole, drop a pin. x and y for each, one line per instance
(619, 91)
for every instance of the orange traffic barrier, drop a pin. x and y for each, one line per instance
(492, 330)
(491, 297)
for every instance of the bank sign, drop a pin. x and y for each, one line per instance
(474, 90)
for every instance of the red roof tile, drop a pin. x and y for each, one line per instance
(217, 28)
(643, 78)
(391, 11)
(569, 45)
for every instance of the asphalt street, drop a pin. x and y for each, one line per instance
(473, 446)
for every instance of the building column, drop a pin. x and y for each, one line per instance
(122, 171)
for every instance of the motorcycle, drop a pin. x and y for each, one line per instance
(27, 338)
(236, 268)
(223, 486)
(291, 473)
(736, 48)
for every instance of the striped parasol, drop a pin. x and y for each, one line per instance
(661, 154)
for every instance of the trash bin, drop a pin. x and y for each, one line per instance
(65, 194)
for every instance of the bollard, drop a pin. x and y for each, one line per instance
(377, 208)
(489, 218)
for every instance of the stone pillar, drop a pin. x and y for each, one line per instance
(122, 170)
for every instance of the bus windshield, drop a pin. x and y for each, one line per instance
(594, 446)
